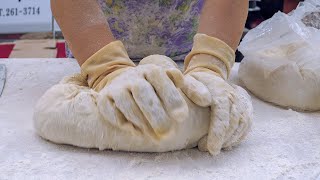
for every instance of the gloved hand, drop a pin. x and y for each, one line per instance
(196, 91)
(105, 65)
(210, 62)
(142, 99)
(231, 114)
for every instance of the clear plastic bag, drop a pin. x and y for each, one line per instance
(277, 36)
(281, 61)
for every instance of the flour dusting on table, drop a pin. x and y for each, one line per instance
(283, 144)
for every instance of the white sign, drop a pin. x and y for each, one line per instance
(19, 16)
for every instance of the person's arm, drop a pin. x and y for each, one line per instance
(224, 19)
(84, 26)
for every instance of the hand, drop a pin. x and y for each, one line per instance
(144, 100)
(196, 91)
(231, 108)
(106, 64)
(210, 62)
(137, 99)
(231, 113)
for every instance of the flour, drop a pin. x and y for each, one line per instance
(283, 144)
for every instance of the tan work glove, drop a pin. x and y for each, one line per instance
(142, 99)
(209, 54)
(196, 91)
(210, 62)
(105, 65)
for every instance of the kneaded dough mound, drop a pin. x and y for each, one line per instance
(287, 76)
(68, 113)
(72, 113)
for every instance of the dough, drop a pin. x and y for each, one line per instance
(72, 113)
(68, 114)
(282, 59)
(286, 75)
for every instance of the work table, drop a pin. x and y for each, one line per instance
(283, 143)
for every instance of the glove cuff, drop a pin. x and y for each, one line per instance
(107, 60)
(207, 63)
(204, 44)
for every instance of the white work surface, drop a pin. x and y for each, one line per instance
(283, 144)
